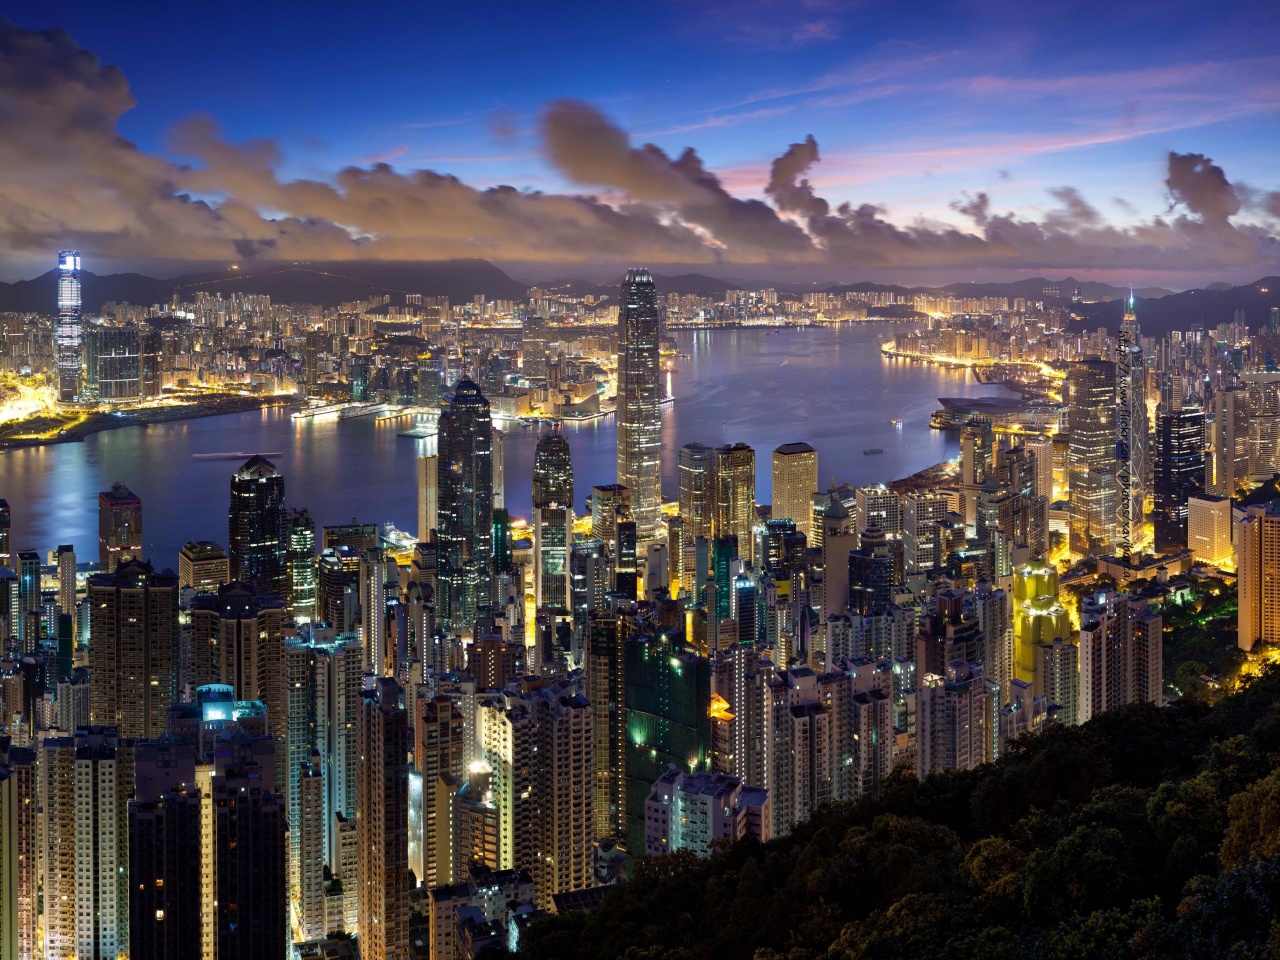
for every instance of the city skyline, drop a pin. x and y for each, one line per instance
(981, 152)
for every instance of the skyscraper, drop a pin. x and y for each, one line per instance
(734, 493)
(795, 478)
(1257, 539)
(133, 619)
(639, 394)
(439, 734)
(1091, 455)
(1131, 435)
(466, 507)
(552, 521)
(203, 566)
(303, 589)
(696, 466)
(6, 534)
(382, 821)
(1179, 472)
(922, 549)
(119, 527)
(69, 328)
(428, 496)
(310, 847)
(258, 527)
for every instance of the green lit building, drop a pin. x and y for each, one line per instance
(668, 698)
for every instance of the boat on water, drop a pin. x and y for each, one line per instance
(872, 450)
(896, 423)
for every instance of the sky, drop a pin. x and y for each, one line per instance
(837, 140)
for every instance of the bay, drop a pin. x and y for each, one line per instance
(829, 386)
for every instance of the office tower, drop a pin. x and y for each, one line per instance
(382, 820)
(1179, 473)
(310, 827)
(166, 852)
(679, 550)
(1257, 539)
(696, 469)
(301, 560)
(734, 493)
(87, 779)
(877, 502)
(203, 566)
(66, 559)
(626, 559)
(922, 511)
(590, 578)
(1042, 449)
(1091, 455)
(338, 588)
(439, 755)
(538, 743)
(466, 508)
(428, 496)
(552, 521)
(1058, 679)
(69, 328)
(258, 527)
(668, 700)
(237, 638)
(19, 872)
(1038, 617)
(119, 527)
(6, 534)
(29, 601)
(1131, 435)
(699, 812)
(639, 400)
(1120, 654)
(120, 363)
(605, 666)
(499, 470)
(1230, 442)
(379, 659)
(133, 619)
(955, 717)
(251, 866)
(1209, 530)
(795, 477)
(608, 502)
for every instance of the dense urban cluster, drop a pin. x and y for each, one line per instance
(316, 738)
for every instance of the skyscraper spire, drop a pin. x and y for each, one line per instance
(639, 412)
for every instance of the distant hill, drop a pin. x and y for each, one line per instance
(1179, 311)
(327, 283)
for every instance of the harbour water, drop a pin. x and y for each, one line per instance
(828, 386)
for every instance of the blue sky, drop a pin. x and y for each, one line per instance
(914, 106)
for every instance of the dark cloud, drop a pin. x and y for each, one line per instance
(68, 178)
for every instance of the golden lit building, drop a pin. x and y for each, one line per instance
(1038, 617)
(1258, 575)
(795, 478)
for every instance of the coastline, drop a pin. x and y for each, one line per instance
(100, 422)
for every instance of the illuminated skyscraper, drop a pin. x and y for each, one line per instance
(1179, 473)
(6, 534)
(922, 548)
(119, 527)
(382, 821)
(1131, 435)
(734, 493)
(258, 527)
(639, 394)
(696, 490)
(133, 619)
(1257, 537)
(465, 532)
(70, 327)
(438, 753)
(303, 589)
(428, 496)
(552, 521)
(795, 478)
(203, 566)
(1038, 617)
(1091, 455)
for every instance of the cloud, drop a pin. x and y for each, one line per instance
(67, 177)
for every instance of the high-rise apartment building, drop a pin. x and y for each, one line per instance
(119, 527)
(382, 820)
(1038, 616)
(203, 566)
(258, 528)
(795, 478)
(133, 619)
(877, 502)
(1091, 455)
(1228, 466)
(1179, 473)
(538, 743)
(698, 812)
(922, 512)
(955, 720)
(639, 413)
(310, 856)
(1257, 537)
(69, 329)
(466, 484)
(605, 663)
(439, 755)
(19, 872)
(1121, 648)
(375, 570)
